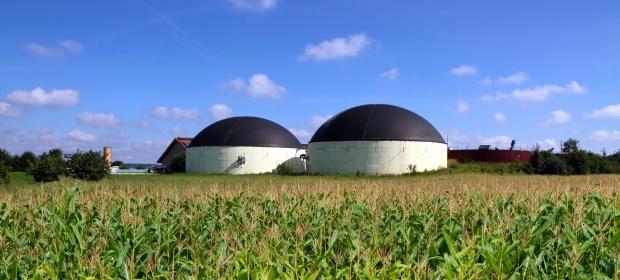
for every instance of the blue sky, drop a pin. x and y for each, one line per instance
(134, 74)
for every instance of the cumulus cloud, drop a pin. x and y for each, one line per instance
(605, 135)
(8, 110)
(106, 120)
(38, 97)
(516, 78)
(611, 111)
(336, 48)
(258, 85)
(176, 113)
(317, 121)
(537, 94)
(255, 5)
(464, 70)
(300, 133)
(462, 106)
(220, 111)
(547, 144)
(390, 75)
(557, 117)
(63, 47)
(81, 136)
(500, 118)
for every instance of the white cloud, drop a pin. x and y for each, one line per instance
(336, 48)
(72, 46)
(81, 136)
(462, 106)
(255, 5)
(38, 97)
(300, 133)
(605, 135)
(547, 144)
(500, 118)
(107, 120)
(537, 94)
(64, 47)
(461, 141)
(177, 130)
(611, 111)
(557, 117)
(8, 110)
(176, 113)
(516, 78)
(464, 70)
(219, 112)
(390, 75)
(258, 85)
(317, 121)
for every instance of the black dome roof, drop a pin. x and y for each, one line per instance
(245, 131)
(377, 122)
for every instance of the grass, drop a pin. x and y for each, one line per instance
(452, 226)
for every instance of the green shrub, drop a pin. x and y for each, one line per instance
(546, 162)
(284, 169)
(177, 164)
(22, 163)
(89, 166)
(4, 173)
(48, 167)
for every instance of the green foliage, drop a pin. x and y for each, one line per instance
(22, 163)
(284, 169)
(309, 237)
(48, 167)
(547, 162)
(5, 157)
(177, 163)
(89, 166)
(4, 173)
(484, 167)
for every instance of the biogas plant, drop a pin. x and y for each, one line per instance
(374, 139)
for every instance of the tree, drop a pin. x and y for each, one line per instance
(546, 162)
(177, 164)
(4, 173)
(48, 167)
(23, 162)
(5, 157)
(570, 146)
(87, 166)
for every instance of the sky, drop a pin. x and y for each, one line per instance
(134, 74)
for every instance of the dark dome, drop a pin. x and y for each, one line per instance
(377, 122)
(245, 131)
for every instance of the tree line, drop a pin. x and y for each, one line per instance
(50, 166)
(573, 160)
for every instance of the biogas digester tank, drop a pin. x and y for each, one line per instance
(376, 139)
(243, 145)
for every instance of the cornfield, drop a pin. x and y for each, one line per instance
(267, 227)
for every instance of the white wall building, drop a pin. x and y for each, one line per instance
(243, 145)
(376, 139)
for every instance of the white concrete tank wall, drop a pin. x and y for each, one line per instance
(223, 159)
(376, 157)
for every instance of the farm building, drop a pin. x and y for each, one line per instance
(243, 145)
(176, 147)
(376, 139)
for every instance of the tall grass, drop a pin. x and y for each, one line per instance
(270, 227)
